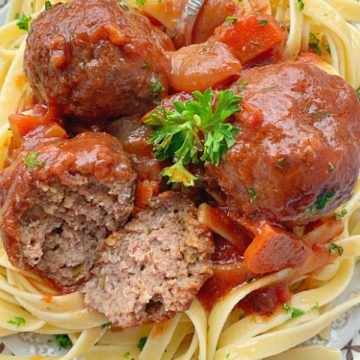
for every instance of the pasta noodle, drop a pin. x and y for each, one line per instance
(225, 333)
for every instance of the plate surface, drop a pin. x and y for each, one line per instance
(344, 333)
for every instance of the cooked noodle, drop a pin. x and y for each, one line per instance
(225, 333)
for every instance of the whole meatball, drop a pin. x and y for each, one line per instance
(296, 156)
(60, 199)
(95, 59)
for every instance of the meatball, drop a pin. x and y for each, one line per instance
(62, 198)
(296, 155)
(154, 267)
(94, 59)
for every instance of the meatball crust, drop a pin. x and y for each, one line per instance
(93, 59)
(56, 209)
(296, 155)
(154, 267)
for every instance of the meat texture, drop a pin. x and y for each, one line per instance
(60, 199)
(96, 59)
(154, 267)
(296, 156)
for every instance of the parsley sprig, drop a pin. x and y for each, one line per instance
(23, 21)
(31, 160)
(196, 131)
(294, 312)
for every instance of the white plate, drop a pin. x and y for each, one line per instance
(345, 331)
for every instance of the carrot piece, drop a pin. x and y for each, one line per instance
(251, 35)
(274, 249)
(144, 191)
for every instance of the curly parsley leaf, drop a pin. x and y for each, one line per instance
(196, 131)
(23, 22)
(31, 162)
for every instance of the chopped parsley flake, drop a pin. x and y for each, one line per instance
(107, 325)
(194, 128)
(280, 163)
(342, 213)
(156, 89)
(358, 92)
(145, 64)
(322, 201)
(23, 22)
(17, 321)
(31, 162)
(316, 306)
(263, 22)
(140, 2)
(141, 343)
(63, 341)
(252, 194)
(123, 4)
(314, 44)
(47, 5)
(301, 4)
(294, 313)
(230, 21)
(331, 167)
(333, 248)
(243, 85)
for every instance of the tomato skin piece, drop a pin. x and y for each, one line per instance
(201, 66)
(251, 35)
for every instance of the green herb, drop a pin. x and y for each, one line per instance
(230, 21)
(322, 201)
(294, 313)
(263, 22)
(63, 341)
(23, 22)
(194, 128)
(123, 4)
(331, 167)
(342, 213)
(126, 355)
(333, 248)
(314, 44)
(145, 65)
(31, 161)
(140, 2)
(280, 163)
(47, 5)
(358, 92)
(243, 85)
(328, 49)
(227, 355)
(141, 343)
(316, 306)
(107, 325)
(156, 89)
(17, 321)
(252, 194)
(301, 4)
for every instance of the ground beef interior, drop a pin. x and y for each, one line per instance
(154, 267)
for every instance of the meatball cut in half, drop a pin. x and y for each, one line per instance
(60, 199)
(96, 59)
(154, 267)
(297, 153)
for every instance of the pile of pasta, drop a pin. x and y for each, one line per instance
(225, 332)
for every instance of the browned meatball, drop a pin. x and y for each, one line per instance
(94, 59)
(154, 267)
(297, 152)
(60, 199)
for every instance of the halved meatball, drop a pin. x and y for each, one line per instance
(154, 267)
(96, 59)
(60, 199)
(296, 156)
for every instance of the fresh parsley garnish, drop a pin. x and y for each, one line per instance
(316, 306)
(145, 64)
(333, 248)
(301, 4)
(358, 92)
(141, 343)
(156, 89)
(263, 22)
(47, 5)
(23, 22)
(252, 194)
(339, 215)
(294, 313)
(230, 21)
(63, 341)
(17, 321)
(196, 131)
(243, 85)
(322, 201)
(31, 162)
(107, 325)
(314, 44)
(140, 2)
